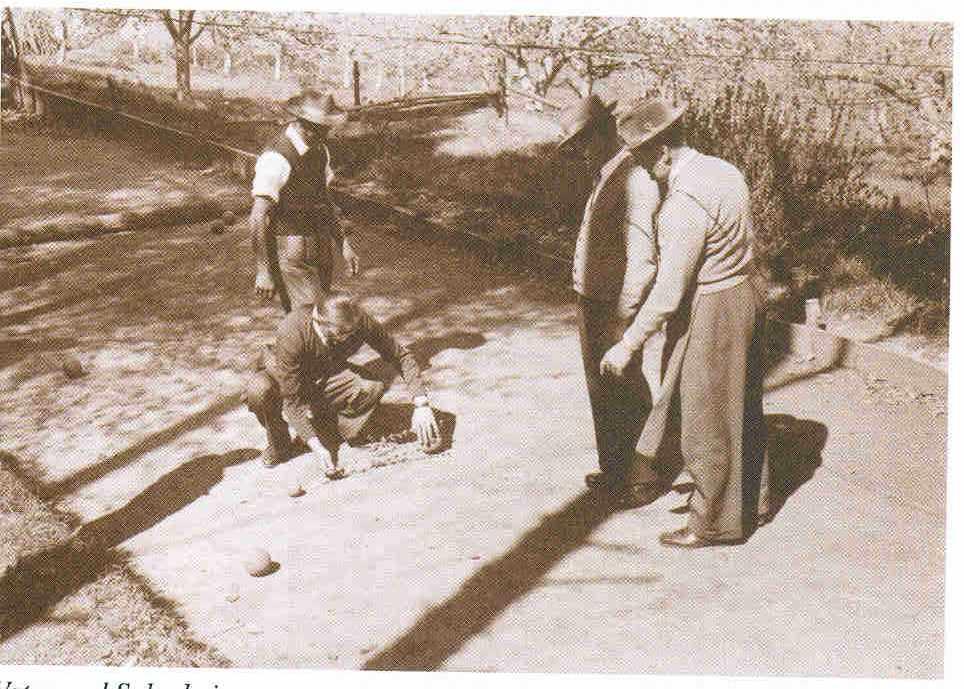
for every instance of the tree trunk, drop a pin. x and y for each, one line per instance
(182, 61)
(62, 53)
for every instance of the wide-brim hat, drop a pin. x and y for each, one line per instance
(582, 116)
(316, 108)
(647, 120)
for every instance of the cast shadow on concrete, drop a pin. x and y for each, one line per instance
(38, 581)
(153, 441)
(446, 627)
(794, 450)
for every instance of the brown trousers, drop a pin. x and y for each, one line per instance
(341, 408)
(710, 411)
(619, 404)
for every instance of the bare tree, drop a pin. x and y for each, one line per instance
(181, 31)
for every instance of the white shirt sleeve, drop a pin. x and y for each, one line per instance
(329, 172)
(271, 173)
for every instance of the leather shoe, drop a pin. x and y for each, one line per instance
(684, 538)
(604, 480)
(640, 494)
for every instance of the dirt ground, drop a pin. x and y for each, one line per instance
(490, 556)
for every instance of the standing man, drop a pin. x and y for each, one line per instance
(613, 269)
(291, 201)
(712, 392)
(308, 382)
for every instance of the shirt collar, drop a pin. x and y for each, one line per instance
(295, 138)
(686, 156)
(610, 167)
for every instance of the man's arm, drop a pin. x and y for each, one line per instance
(289, 362)
(392, 350)
(423, 418)
(289, 370)
(642, 201)
(271, 173)
(682, 236)
(338, 231)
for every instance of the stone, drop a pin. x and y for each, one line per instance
(72, 367)
(257, 562)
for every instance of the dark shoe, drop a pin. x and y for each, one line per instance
(273, 455)
(640, 494)
(605, 480)
(270, 458)
(684, 538)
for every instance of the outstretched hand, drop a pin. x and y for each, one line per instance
(426, 428)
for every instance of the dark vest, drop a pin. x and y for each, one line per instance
(306, 187)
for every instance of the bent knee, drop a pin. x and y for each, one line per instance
(260, 391)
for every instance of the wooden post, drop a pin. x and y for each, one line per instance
(346, 71)
(356, 81)
(502, 79)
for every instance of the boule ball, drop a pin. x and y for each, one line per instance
(257, 562)
(229, 218)
(217, 227)
(72, 367)
(295, 490)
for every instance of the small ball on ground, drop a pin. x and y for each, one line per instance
(217, 227)
(229, 218)
(257, 563)
(72, 367)
(295, 490)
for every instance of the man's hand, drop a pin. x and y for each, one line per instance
(264, 286)
(426, 428)
(330, 461)
(615, 361)
(351, 258)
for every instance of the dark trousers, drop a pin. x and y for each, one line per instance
(620, 404)
(341, 407)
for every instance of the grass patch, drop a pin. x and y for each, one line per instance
(63, 605)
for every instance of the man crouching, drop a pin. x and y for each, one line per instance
(308, 379)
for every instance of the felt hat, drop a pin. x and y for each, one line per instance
(316, 108)
(647, 120)
(582, 116)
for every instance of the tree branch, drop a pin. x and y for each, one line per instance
(169, 23)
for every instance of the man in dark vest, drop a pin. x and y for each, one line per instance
(291, 202)
(613, 269)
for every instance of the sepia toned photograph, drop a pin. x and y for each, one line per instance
(483, 343)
